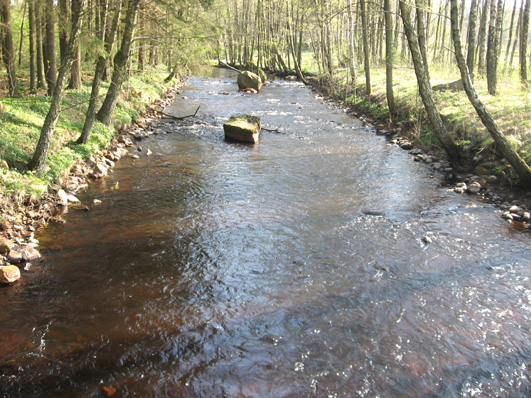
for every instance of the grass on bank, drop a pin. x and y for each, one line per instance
(510, 108)
(21, 120)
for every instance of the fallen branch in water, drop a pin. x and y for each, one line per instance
(277, 130)
(177, 117)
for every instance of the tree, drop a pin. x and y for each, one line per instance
(50, 65)
(120, 65)
(32, 46)
(98, 74)
(8, 51)
(471, 50)
(366, 53)
(423, 82)
(523, 43)
(482, 36)
(41, 152)
(389, 58)
(492, 54)
(519, 165)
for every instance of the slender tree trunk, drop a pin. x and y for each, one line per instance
(508, 48)
(482, 36)
(32, 46)
(519, 165)
(491, 51)
(443, 37)
(351, 44)
(517, 34)
(8, 51)
(523, 43)
(434, 116)
(389, 58)
(41, 78)
(421, 32)
(41, 152)
(75, 73)
(64, 21)
(366, 53)
(49, 48)
(101, 65)
(22, 34)
(120, 65)
(472, 24)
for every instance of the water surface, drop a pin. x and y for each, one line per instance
(291, 268)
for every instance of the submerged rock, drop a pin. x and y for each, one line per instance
(244, 128)
(9, 274)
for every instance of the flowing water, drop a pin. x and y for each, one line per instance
(292, 268)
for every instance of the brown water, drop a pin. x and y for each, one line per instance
(293, 268)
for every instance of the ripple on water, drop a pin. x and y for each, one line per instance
(295, 267)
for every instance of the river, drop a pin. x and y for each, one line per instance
(297, 267)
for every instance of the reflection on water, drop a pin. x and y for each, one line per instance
(292, 268)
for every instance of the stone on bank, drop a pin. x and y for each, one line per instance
(245, 128)
(9, 274)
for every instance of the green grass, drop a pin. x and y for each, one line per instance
(510, 108)
(22, 118)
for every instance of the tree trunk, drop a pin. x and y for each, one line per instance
(434, 116)
(75, 73)
(491, 51)
(50, 65)
(482, 36)
(366, 53)
(41, 79)
(120, 65)
(64, 21)
(8, 51)
(508, 48)
(472, 23)
(32, 47)
(523, 43)
(41, 152)
(519, 165)
(101, 65)
(351, 44)
(517, 34)
(389, 58)
(421, 33)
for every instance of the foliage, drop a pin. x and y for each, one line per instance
(22, 117)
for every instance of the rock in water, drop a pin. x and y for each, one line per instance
(244, 128)
(9, 274)
(248, 80)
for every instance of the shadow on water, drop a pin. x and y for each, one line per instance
(293, 268)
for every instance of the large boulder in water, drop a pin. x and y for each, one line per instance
(249, 80)
(244, 128)
(257, 71)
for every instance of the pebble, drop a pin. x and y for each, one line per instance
(474, 188)
(508, 216)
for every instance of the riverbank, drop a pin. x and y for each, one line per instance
(28, 204)
(483, 173)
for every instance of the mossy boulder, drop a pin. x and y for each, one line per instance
(249, 80)
(245, 128)
(257, 71)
